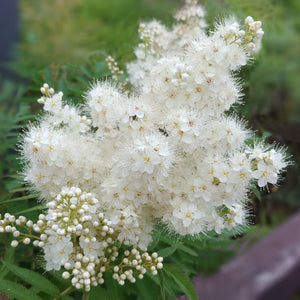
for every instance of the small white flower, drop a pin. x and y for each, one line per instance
(265, 174)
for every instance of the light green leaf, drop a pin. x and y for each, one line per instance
(182, 280)
(35, 279)
(17, 291)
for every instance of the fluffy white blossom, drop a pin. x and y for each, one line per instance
(169, 150)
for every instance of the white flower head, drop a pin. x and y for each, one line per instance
(168, 149)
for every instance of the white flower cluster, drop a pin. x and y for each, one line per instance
(168, 151)
(74, 234)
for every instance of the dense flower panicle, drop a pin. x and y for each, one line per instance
(76, 235)
(168, 151)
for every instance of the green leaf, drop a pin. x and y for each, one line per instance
(37, 207)
(87, 71)
(35, 279)
(17, 291)
(9, 257)
(66, 297)
(182, 280)
(162, 282)
(168, 251)
(35, 289)
(100, 293)
(256, 192)
(162, 285)
(117, 292)
(146, 289)
(23, 198)
(62, 86)
(168, 239)
(155, 239)
(187, 250)
(48, 76)
(20, 189)
(99, 67)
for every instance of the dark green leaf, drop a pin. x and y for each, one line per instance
(37, 207)
(23, 198)
(117, 292)
(187, 250)
(87, 71)
(146, 289)
(17, 291)
(161, 281)
(168, 251)
(256, 192)
(100, 293)
(9, 256)
(35, 279)
(182, 280)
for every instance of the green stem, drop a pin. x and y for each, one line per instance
(63, 293)
(85, 297)
(30, 236)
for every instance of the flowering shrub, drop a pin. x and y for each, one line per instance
(168, 148)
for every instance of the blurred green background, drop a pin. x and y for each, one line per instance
(65, 42)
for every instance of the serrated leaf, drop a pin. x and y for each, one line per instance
(182, 280)
(168, 239)
(159, 281)
(155, 240)
(23, 198)
(33, 278)
(162, 285)
(17, 291)
(37, 207)
(146, 289)
(168, 251)
(187, 250)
